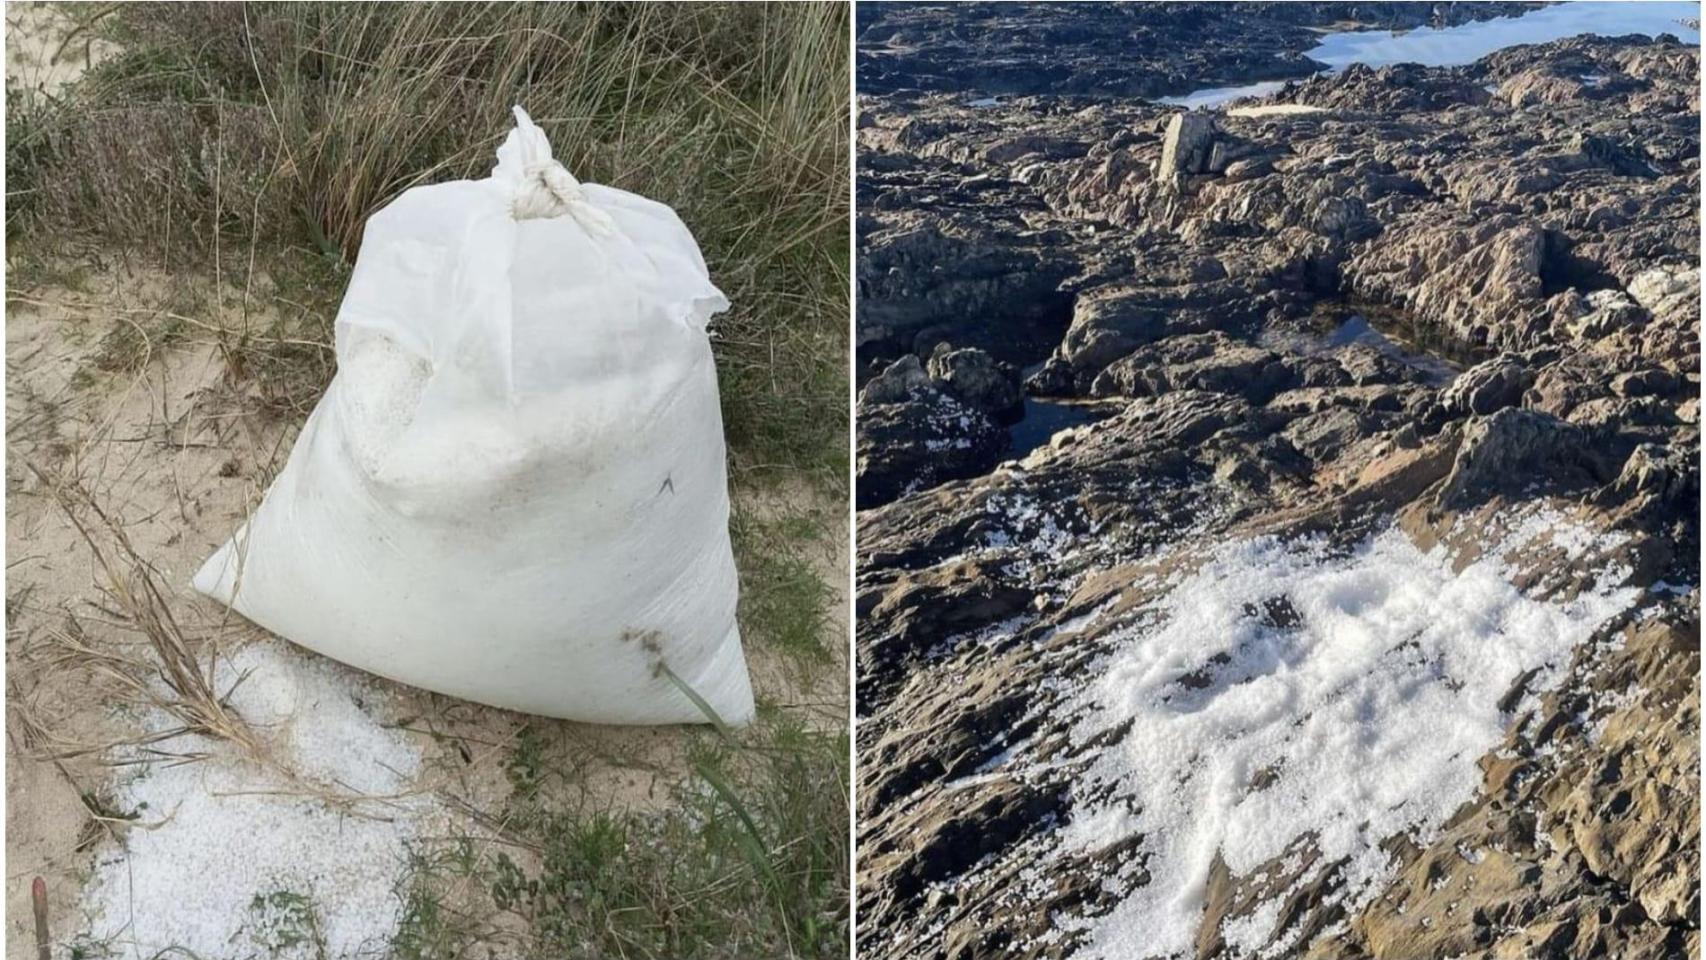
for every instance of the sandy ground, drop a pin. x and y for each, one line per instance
(1273, 110)
(178, 456)
(48, 45)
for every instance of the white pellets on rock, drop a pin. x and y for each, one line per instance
(1286, 694)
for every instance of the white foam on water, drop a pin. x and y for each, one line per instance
(241, 862)
(1367, 691)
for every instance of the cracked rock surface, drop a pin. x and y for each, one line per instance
(1453, 311)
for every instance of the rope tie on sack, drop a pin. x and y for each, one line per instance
(546, 188)
(550, 190)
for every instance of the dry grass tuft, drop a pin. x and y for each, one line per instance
(259, 137)
(171, 674)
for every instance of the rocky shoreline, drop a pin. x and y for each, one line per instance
(1130, 50)
(1510, 249)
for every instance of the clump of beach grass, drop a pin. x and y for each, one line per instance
(259, 137)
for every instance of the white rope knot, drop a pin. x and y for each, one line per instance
(548, 189)
(543, 188)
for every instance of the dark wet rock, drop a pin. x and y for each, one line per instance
(1528, 258)
(976, 379)
(1488, 387)
(1364, 365)
(1210, 362)
(1054, 378)
(920, 284)
(1187, 146)
(1109, 324)
(1521, 452)
(1480, 280)
(897, 383)
(919, 442)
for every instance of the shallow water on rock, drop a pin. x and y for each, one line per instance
(1045, 418)
(1468, 42)
(1215, 96)
(1435, 362)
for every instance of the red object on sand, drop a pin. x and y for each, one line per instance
(38, 900)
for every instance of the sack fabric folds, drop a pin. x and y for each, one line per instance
(514, 489)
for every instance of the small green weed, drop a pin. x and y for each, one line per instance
(784, 601)
(284, 924)
(431, 928)
(526, 767)
(751, 860)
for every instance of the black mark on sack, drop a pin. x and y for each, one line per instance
(650, 641)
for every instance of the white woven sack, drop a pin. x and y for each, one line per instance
(514, 490)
